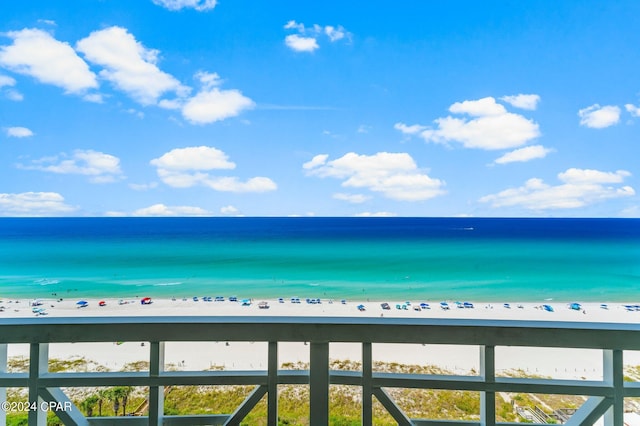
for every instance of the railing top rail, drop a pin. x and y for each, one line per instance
(322, 329)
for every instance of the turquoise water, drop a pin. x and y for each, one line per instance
(431, 259)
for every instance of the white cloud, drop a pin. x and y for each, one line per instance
(5, 80)
(187, 167)
(334, 33)
(307, 38)
(199, 5)
(579, 188)
(233, 184)
(409, 130)
(492, 126)
(163, 210)
(352, 198)
(524, 154)
(633, 110)
(194, 158)
(316, 161)
(14, 95)
(229, 210)
(96, 98)
(48, 22)
(599, 117)
(631, 212)
(213, 105)
(37, 54)
(101, 167)
(589, 176)
(394, 175)
(11, 94)
(363, 128)
(294, 25)
(18, 132)
(33, 204)
(376, 214)
(301, 44)
(129, 65)
(143, 186)
(529, 102)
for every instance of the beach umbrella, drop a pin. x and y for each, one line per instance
(82, 303)
(145, 301)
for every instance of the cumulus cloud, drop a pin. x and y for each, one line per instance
(128, 65)
(488, 126)
(578, 188)
(316, 161)
(34, 204)
(11, 94)
(306, 39)
(14, 95)
(376, 214)
(599, 117)
(37, 54)
(18, 132)
(187, 167)
(524, 154)
(352, 198)
(300, 43)
(633, 110)
(409, 130)
(5, 80)
(529, 102)
(213, 104)
(199, 5)
(229, 211)
(163, 210)
(100, 167)
(143, 186)
(394, 175)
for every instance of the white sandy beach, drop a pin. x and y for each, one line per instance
(559, 363)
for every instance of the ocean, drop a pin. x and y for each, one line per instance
(431, 259)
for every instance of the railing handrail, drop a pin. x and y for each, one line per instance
(585, 335)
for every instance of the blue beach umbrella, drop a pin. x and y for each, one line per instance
(82, 303)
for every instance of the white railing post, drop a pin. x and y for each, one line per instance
(3, 391)
(156, 393)
(319, 384)
(367, 379)
(488, 374)
(272, 384)
(38, 364)
(614, 376)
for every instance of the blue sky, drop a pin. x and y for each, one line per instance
(198, 107)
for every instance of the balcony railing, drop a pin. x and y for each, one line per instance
(605, 397)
